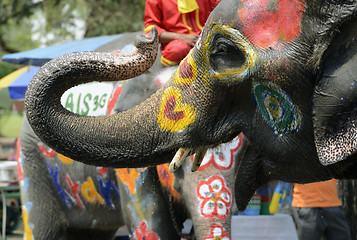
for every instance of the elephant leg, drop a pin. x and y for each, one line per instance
(42, 219)
(144, 204)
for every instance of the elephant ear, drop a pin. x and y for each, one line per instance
(335, 99)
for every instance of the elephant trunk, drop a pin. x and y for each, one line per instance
(105, 140)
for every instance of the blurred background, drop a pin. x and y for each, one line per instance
(29, 24)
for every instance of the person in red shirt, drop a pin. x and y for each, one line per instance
(319, 212)
(179, 23)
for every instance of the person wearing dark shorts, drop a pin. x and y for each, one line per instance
(319, 212)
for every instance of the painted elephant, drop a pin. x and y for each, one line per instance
(282, 72)
(63, 199)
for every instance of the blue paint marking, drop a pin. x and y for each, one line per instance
(67, 199)
(107, 188)
(26, 184)
(28, 206)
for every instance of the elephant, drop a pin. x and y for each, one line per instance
(62, 199)
(280, 72)
(72, 200)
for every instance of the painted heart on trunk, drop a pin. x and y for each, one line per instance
(174, 115)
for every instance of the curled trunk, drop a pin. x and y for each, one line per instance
(86, 138)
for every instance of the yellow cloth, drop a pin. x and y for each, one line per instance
(186, 6)
(319, 194)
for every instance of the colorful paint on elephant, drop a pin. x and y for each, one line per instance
(174, 115)
(64, 159)
(271, 23)
(26, 208)
(277, 108)
(217, 233)
(47, 152)
(74, 188)
(249, 50)
(221, 157)
(142, 233)
(167, 180)
(20, 161)
(90, 193)
(186, 72)
(215, 197)
(88, 190)
(128, 176)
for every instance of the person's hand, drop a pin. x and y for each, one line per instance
(190, 39)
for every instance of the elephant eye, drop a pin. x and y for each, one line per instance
(225, 54)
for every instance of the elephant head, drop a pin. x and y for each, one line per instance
(282, 72)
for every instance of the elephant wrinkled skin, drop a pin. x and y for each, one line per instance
(282, 72)
(65, 199)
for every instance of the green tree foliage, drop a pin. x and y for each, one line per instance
(110, 17)
(13, 12)
(103, 17)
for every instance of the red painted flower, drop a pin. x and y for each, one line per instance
(217, 233)
(221, 157)
(271, 23)
(215, 197)
(141, 233)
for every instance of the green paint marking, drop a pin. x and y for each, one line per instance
(277, 108)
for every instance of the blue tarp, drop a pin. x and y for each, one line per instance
(39, 56)
(17, 88)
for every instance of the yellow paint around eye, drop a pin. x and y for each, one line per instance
(240, 72)
(64, 159)
(174, 115)
(187, 71)
(240, 40)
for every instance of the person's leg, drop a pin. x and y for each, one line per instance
(337, 228)
(174, 52)
(309, 224)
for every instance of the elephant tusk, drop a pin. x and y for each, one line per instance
(178, 159)
(198, 159)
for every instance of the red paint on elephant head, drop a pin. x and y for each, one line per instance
(271, 23)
